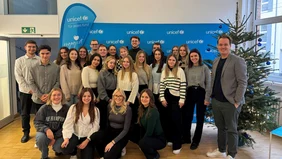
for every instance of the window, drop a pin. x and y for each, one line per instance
(268, 8)
(32, 6)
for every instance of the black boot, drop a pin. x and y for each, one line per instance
(25, 138)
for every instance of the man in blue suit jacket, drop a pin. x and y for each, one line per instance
(229, 82)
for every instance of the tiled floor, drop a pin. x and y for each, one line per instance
(12, 148)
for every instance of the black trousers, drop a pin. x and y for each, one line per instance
(71, 149)
(36, 106)
(102, 105)
(150, 145)
(141, 87)
(162, 112)
(26, 105)
(134, 132)
(115, 152)
(173, 126)
(194, 95)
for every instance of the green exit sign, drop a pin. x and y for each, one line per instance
(28, 30)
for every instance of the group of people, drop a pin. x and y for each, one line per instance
(100, 101)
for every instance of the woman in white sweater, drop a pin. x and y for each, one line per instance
(81, 123)
(70, 77)
(90, 73)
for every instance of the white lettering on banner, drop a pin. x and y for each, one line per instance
(77, 19)
(198, 41)
(214, 32)
(97, 31)
(168, 51)
(175, 32)
(73, 44)
(211, 51)
(155, 41)
(135, 32)
(115, 41)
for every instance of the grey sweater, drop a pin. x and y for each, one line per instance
(204, 81)
(106, 81)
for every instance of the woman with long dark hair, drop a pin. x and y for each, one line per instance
(83, 55)
(148, 117)
(81, 123)
(62, 56)
(199, 82)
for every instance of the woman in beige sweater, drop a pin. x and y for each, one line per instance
(70, 77)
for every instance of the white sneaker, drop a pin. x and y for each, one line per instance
(229, 157)
(176, 151)
(123, 151)
(35, 146)
(102, 158)
(169, 143)
(73, 157)
(216, 153)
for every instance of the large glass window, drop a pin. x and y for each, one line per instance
(32, 6)
(268, 8)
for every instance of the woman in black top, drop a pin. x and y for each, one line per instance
(149, 119)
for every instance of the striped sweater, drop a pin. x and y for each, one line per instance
(176, 86)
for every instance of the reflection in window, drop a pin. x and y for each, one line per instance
(32, 6)
(268, 8)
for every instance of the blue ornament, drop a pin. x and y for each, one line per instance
(251, 91)
(266, 94)
(259, 44)
(268, 63)
(208, 49)
(259, 40)
(220, 26)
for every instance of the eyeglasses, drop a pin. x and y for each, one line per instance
(118, 96)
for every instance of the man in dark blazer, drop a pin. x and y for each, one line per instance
(229, 82)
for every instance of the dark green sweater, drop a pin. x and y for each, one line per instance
(151, 123)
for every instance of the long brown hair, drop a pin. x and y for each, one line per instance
(141, 108)
(79, 105)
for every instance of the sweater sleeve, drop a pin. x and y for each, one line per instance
(85, 77)
(207, 82)
(36, 91)
(128, 116)
(151, 122)
(135, 87)
(162, 86)
(101, 87)
(40, 120)
(19, 76)
(63, 81)
(182, 90)
(96, 125)
(68, 126)
(150, 84)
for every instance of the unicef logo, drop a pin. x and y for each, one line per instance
(155, 41)
(214, 31)
(198, 41)
(85, 17)
(121, 41)
(97, 31)
(141, 32)
(114, 42)
(175, 32)
(162, 41)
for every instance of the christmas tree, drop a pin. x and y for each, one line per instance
(258, 112)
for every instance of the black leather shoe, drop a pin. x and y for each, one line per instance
(25, 138)
(194, 146)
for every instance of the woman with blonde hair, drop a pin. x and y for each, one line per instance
(183, 53)
(48, 122)
(81, 123)
(123, 51)
(172, 96)
(106, 84)
(174, 51)
(116, 136)
(143, 71)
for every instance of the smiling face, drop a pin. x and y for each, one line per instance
(145, 99)
(171, 62)
(157, 56)
(73, 55)
(126, 63)
(64, 54)
(194, 57)
(95, 62)
(82, 53)
(182, 51)
(123, 52)
(141, 58)
(56, 97)
(86, 98)
(111, 64)
(102, 51)
(112, 50)
(30, 48)
(118, 98)
(224, 47)
(175, 51)
(135, 43)
(44, 56)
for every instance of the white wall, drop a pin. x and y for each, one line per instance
(125, 11)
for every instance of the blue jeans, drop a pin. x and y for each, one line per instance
(42, 142)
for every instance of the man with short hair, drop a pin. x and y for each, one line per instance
(229, 83)
(22, 68)
(44, 76)
(94, 44)
(135, 42)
